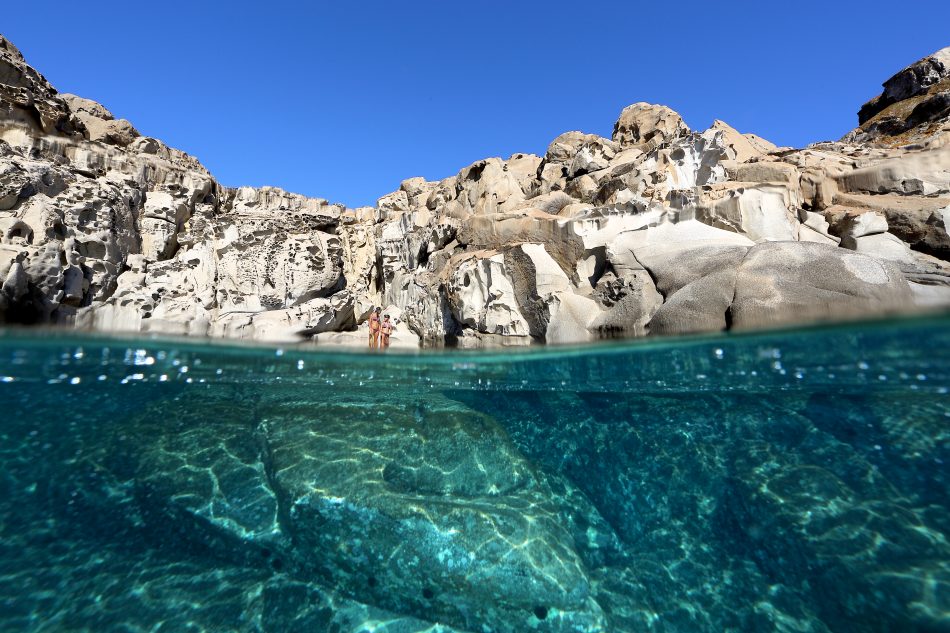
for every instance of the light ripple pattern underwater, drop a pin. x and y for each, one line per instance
(783, 481)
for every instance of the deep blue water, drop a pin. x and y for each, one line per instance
(785, 481)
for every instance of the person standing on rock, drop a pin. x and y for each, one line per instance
(386, 329)
(374, 328)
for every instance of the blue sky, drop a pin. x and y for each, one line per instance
(345, 100)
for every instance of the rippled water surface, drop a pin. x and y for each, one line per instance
(791, 481)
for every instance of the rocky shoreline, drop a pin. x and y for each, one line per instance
(657, 230)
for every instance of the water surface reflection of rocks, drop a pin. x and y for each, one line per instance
(764, 486)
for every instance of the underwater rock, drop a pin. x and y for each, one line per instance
(784, 482)
(422, 510)
(867, 555)
(430, 512)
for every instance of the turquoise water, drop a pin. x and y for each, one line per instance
(789, 481)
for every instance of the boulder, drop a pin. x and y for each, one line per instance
(698, 283)
(920, 222)
(921, 173)
(909, 82)
(383, 503)
(648, 126)
(99, 122)
(580, 153)
(797, 282)
(881, 246)
(742, 147)
(483, 298)
(627, 304)
(868, 223)
(761, 212)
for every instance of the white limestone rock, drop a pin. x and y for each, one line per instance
(483, 298)
(648, 126)
(881, 246)
(924, 173)
(656, 230)
(762, 212)
(794, 282)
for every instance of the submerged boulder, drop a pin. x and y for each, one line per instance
(425, 510)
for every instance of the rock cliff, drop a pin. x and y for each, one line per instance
(658, 229)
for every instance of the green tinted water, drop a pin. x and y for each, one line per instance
(792, 481)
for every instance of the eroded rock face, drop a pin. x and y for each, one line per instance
(648, 125)
(779, 281)
(637, 234)
(914, 106)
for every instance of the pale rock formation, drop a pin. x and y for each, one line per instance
(815, 228)
(656, 230)
(914, 107)
(685, 259)
(917, 173)
(882, 246)
(920, 222)
(699, 285)
(744, 147)
(648, 126)
(761, 212)
(785, 282)
(100, 124)
(483, 297)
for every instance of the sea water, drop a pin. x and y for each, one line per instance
(786, 481)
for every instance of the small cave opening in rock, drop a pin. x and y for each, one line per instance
(428, 594)
(422, 257)
(541, 612)
(21, 232)
(58, 231)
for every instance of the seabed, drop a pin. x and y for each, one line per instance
(786, 481)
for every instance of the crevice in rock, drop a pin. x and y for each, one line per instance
(280, 495)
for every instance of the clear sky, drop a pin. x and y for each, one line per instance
(343, 100)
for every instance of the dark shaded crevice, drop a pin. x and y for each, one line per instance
(653, 278)
(259, 431)
(729, 316)
(422, 257)
(602, 265)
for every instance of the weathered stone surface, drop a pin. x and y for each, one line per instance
(105, 229)
(483, 298)
(881, 246)
(919, 222)
(923, 174)
(742, 146)
(786, 282)
(648, 126)
(761, 213)
(699, 285)
(99, 122)
(628, 304)
(910, 82)
(914, 107)
(428, 512)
